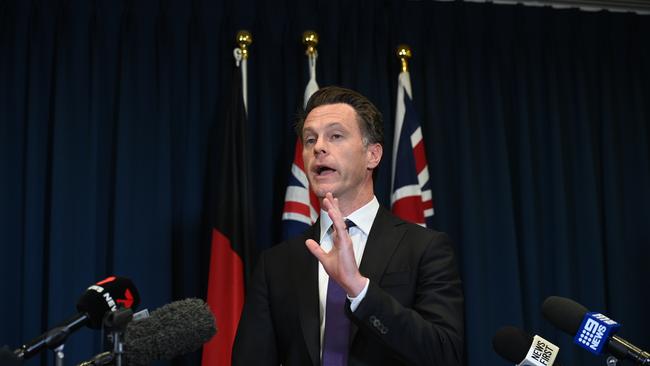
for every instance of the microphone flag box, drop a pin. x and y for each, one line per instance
(594, 332)
(540, 353)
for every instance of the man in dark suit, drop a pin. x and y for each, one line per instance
(310, 303)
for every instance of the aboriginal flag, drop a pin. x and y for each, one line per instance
(232, 243)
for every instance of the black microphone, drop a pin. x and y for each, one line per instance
(592, 331)
(100, 298)
(173, 330)
(519, 347)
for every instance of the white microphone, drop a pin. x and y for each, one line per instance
(519, 347)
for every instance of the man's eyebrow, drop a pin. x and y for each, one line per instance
(307, 129)
(330, 126)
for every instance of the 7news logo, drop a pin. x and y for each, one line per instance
(594, 331)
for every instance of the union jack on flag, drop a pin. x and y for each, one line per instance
(301, 206)
(411, 197)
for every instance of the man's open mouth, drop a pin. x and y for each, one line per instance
(323, 169)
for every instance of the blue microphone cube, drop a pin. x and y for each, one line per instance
(594, 332)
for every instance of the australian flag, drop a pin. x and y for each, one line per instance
(411, 197)
(301, 206)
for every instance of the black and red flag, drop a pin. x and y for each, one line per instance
(232, 244)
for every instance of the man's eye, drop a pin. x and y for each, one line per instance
(309, 140)
(336, 136)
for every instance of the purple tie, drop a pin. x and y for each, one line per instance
(337, 325)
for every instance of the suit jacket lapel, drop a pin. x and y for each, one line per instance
(385, 236)
(306, 274)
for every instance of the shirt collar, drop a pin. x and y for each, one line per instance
(362, 218)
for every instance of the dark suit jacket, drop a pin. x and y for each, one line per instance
(412, 313)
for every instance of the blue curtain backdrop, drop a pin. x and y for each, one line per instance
(536, 123)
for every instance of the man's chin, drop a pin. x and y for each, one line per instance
(320, 193)
(322, 190)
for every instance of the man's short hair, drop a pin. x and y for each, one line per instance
(368, 116)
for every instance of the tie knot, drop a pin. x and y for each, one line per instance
(348, 225)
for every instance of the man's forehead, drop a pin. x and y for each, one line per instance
(331, 115)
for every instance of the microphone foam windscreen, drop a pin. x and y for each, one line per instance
(512, 343)
(107, 295)
(565, 314)
(175, 329)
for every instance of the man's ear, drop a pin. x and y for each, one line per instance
(374, 153)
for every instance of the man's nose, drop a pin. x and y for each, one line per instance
(320, 146)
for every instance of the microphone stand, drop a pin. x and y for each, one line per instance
(119, 319)
(118, 348)
(55, 339)
(115, 322)
(59, 355)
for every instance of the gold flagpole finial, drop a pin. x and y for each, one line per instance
(404, 53)
(310, 39)
(244, 39)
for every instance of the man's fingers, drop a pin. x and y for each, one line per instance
(331, 205)
(327, 202)
(315, 249)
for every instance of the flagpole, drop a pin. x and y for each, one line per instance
(310, 40)
(404, 84)
(404, 53)
(244, 39)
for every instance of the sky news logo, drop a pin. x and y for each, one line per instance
(594, 331)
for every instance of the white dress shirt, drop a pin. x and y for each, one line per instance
(363, 219)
